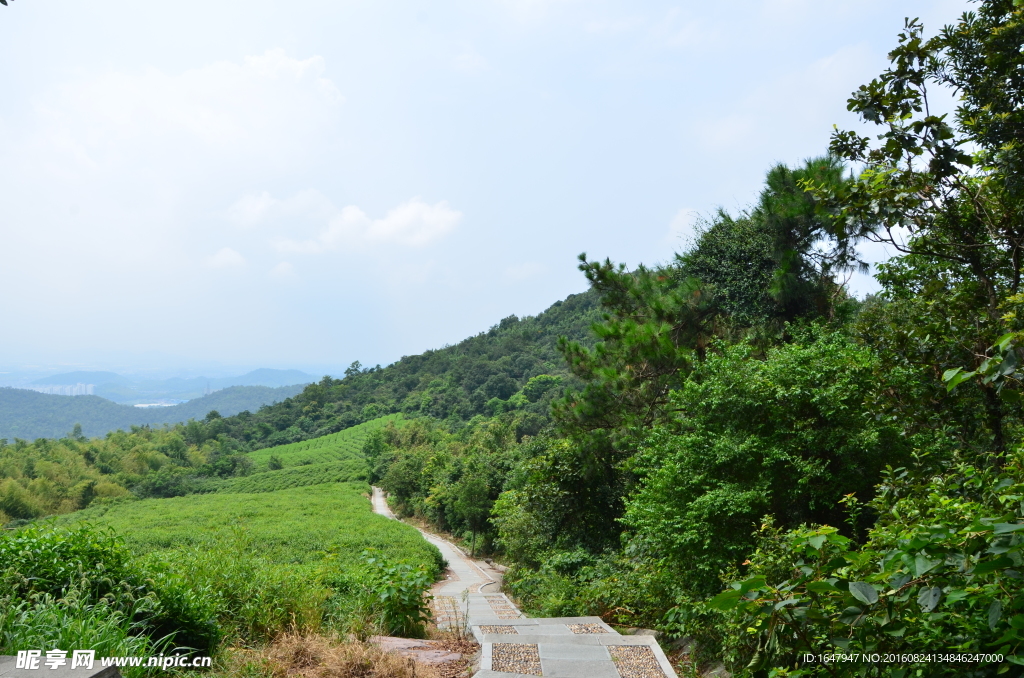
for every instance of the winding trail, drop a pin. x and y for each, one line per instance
(513, 646)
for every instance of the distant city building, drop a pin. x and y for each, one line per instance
(68, 390)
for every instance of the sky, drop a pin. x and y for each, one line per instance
(221, 185)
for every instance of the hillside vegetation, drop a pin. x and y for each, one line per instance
(29, 415)
(205, 574)
(299, 525)
(59, 476)
(736, 452)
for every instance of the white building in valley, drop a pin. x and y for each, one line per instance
(67, 389)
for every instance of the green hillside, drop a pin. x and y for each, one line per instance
(333, 458)
(214, 572)
(299, 476)
(343, 445)
(298, 525)
(29, 415)
(481, 375)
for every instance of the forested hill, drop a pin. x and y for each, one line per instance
(497, 370)
(29, 415)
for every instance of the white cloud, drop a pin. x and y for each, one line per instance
(415, 223)
(259, 208)
(188, 123)
(283, 271)
(251, 209)
(225, 258)
(412, 224)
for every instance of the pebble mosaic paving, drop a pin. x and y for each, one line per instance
(636, 661)
(587, 628)
(516, 658)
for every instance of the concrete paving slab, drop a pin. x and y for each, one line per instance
(625, 640)
(546, 630)
(577, 652)
(571, 639)
(572, 668)
(571, 620)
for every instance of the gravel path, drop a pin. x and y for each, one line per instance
(569, 647)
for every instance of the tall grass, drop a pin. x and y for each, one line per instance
(253, 598)
(73, 623)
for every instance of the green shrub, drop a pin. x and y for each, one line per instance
(398, 592)
(94, 567)
(72, 622)
(940, 570)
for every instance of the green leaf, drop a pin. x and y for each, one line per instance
(898, 581)
(784, 603)
(820, 586)
(725, 600)
(850, 615)
(896, 630)
(755, 582)
(954, 378)
(923, 564)
(992, 565)
(1003, 341)
(928, 598)
(816, 541)
(1006, 528)
(864, 592)
(995, 612)
(956, 596)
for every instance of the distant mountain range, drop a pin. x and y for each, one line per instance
(30, 415)
(131, 391)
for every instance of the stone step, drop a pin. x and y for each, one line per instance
(567, 647)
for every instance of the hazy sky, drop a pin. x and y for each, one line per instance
(302, 184)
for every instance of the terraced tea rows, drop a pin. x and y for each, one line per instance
(340, 446)
(297, 476)
(302, 525)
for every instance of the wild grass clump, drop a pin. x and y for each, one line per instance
(90, 574)
(253, 599)
(316, 656)
(71, 622)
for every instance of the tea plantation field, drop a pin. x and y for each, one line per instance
(297, 476)
(302, 525)
(343, 445)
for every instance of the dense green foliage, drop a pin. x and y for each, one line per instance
(738, 453)
(58, 476)
(848, 472)
(479, 376)
(785, 436)
(201, 571)
(29, 415)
